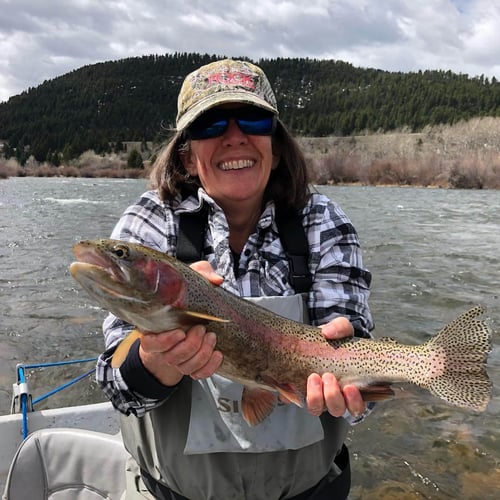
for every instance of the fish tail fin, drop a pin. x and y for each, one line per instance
(460, 350)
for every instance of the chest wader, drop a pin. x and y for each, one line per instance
(154, 447)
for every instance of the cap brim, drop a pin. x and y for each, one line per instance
(222, 98)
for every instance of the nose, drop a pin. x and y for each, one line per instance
(233, 134)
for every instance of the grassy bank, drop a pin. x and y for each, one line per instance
(465, 155)
(468, 172)
(88, 164)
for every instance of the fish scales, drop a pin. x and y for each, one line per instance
(264, 351)
(278, 339)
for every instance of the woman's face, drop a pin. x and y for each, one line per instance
(233, 168)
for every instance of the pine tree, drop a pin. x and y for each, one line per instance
(134, 159)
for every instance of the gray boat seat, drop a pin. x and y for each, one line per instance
(67, 464)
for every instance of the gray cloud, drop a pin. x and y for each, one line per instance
(42, 40)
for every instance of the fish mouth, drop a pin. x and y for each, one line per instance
(95, 271)
(90, 258)
(236, 164)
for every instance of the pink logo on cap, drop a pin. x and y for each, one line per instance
(227, 78)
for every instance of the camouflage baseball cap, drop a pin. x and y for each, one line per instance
(222, 82)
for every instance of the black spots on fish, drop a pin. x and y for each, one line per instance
(466, 338)
(470, 391)
(388, 339)
(464, 345)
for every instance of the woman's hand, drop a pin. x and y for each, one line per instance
(324, 392)
(171, 355)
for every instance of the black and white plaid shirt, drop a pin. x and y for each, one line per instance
(340, 283)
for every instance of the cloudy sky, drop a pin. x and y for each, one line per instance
(40, 40)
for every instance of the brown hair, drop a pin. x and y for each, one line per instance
(288, 184)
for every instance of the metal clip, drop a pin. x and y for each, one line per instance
(19, 390)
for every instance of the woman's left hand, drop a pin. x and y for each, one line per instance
(324, 392)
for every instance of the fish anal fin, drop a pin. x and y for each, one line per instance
(124, 347)
(206, 317)
(288, 392)
(257, 404)
(377, 392)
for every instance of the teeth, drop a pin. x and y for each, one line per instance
(236, 164)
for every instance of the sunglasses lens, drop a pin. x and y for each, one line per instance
(256, 126)
(208, 130)
(214, 123)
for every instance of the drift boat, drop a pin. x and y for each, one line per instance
(64, 453)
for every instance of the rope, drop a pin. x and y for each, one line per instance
(26, 403)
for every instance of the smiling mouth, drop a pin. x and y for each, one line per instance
(236, 164)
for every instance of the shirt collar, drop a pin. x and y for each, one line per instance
(194, 204)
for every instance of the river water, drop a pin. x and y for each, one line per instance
(433, 254)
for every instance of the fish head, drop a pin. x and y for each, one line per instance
(130, 280)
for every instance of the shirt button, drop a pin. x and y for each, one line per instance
(247, 252)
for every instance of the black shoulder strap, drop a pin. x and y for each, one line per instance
(294, 241)
(191, 235)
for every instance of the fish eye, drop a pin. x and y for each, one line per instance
(121, 251)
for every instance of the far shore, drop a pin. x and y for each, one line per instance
(323, 172)
(465, 155)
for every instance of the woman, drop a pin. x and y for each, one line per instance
(233, 160)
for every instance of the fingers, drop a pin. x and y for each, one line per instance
(337, 328)
(354, 400)
(187, 346)
(156, 343)
(325, 393)
(170, 355)
(204, 268)
(334, 399)
(196, 358)
(314, 396)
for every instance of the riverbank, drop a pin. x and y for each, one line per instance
(465, 155)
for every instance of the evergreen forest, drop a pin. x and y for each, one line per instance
(101, 105)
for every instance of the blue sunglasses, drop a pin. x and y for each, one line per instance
(215, 122)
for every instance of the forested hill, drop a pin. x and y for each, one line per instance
(136, 98)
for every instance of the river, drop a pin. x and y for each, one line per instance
(433, 254)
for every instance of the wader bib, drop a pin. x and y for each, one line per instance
(198, 445)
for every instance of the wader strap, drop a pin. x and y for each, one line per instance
(191, 236)
(294, 241)
(324, 490)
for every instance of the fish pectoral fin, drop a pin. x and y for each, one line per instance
(257, 404)
(206, 317)
(124, 347)
(377, 392)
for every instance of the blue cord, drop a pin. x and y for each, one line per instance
(59, 363)
(63, 386)
(21, 379)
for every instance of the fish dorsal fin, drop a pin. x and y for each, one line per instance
(124, 347)
(206, 317)
(257, 404)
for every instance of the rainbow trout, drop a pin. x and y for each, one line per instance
(270, 354)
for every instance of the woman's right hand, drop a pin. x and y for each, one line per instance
(171, 355)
